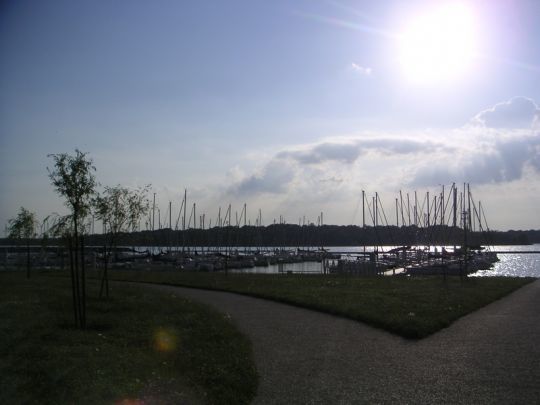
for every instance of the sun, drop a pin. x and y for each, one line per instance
(437, 45)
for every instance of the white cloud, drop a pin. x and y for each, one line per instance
(273, 178)
(518, 112)
(365, 71)
(348, 151)
(490, 157)
(499, 146)
(475, 153)
(329, 175)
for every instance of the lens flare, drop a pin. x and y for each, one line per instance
(165, 340)
(128, 401)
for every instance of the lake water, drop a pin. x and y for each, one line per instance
(512, 265)
(515, 264)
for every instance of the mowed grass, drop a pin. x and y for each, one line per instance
(140, 346)
(413, 307)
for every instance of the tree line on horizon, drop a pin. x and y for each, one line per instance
(293, 235)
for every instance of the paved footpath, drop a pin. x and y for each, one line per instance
(305, 357)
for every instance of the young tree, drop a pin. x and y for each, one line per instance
(62, 228)
(23, 227)
(120, 209)
(73, 179)
(59, 227)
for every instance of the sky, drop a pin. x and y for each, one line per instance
(291, 107)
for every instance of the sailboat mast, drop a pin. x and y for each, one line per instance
(469, 205)
(154, 213)
(415, 209)
(434, 211)
(397, 216)
(363, 209)
(442, 206)
(401, 206)
(427, 198)
(375, 210)
(184, 222)
(454, 205)
(480, 215)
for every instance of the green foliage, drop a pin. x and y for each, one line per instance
(60, 227)
(121, 208)
(141, 345)
(73, 179)
(329, 235)
(23, 225)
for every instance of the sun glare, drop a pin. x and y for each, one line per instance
(437, 45)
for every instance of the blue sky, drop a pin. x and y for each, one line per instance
(293, 107)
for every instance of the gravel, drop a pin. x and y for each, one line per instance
(305, 357)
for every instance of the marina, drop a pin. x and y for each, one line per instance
(442, 233)
(518, 260)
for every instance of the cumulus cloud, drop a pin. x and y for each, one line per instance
(365, 71)
(493, 158)
(502, 142)
(326, 165)
(348, 152)
(333, 180)
(487, 152)
(490, 152)
(518, 112)
(328, 151)
(274, 177)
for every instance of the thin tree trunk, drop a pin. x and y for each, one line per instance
(27, 259)
(73, 284)
(107, 281)
(83, 282)
(76, 250)
(104, 275)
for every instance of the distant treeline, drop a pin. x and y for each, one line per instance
(311, 235)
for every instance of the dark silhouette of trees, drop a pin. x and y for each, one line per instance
(293, 235)
(73, 178)
(23, 227)
(120, 209)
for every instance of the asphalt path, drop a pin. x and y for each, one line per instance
(306, 357)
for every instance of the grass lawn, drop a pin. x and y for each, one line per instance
(413, 307)
(140, 347)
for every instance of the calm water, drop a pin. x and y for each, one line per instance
(514, 265)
